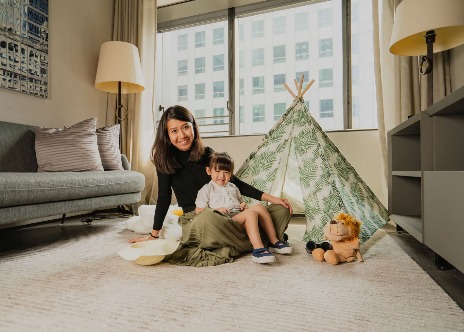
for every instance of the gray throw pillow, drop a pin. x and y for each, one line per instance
(108, 145)
(71, 149)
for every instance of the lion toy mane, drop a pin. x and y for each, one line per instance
(343, 234)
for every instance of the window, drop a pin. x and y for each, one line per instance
(325, 78)
(218, 62)
(258, 84)
(279, 25)
(257, 29)
(257, 57)
(301, 50)
(268, 31)
(258, 113)
(218, 36)
(219, 115)
(279, 110)
(182, 67)
(325, 47)
(326, 108)
(325, 17)
(182, 93)
(279, 81)
(218, 89)
(199, 65)
(200, 91)
(279, 53)
(199, 39)
(301, 22)
(200, 117)
(181, 42)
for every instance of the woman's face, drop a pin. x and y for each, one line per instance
(180, 134)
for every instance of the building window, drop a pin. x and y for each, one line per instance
(301, 50)
(218, 115)
(241, 114)
(257, 57)
(182, 93)
(258, 113)
(200, 117)
(325, 17)
(326, 108)
(279, 110)
(258, 84)
(218, 89)
(199, 39)
(182, 67)
(241, 59)
(218, 62)
(325, 47)
(354, 75)
(181, 42)
(199, 65)
(242, 86)
(278, 24)
(241, 32)
(218, 36)
(301, 22)
(305, 76)
(325, 78)
(257, 29)
(279, 53)
(200, 91)
(279, 81)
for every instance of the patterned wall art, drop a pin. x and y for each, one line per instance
(24, 46)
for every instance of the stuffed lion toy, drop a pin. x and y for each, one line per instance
(343, 234)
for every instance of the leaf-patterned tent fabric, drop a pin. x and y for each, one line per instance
(298, 161)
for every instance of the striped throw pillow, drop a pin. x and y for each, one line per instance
(108, 145)
(71, 149)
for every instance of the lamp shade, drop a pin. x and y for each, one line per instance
(119, 62)
(413, 18)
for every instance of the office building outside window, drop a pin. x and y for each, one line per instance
(271, 47)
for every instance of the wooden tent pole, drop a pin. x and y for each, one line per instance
(306, 89)
(290, 91)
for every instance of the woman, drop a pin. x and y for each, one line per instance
(180, 158)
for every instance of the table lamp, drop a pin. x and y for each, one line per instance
(424, 27)
(119, 71)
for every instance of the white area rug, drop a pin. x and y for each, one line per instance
(81, 284)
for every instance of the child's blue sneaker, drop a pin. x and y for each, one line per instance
(280, 247)
(262, 256)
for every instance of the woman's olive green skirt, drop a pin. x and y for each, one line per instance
(210, 238)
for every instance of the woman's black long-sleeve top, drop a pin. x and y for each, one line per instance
(186, 182)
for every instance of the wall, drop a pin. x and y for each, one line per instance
(360, 148)
(77, 28)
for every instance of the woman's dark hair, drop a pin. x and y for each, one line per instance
(222, 162)
(162, 152)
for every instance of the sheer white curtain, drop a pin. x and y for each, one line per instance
(135, 22)
(401, 90)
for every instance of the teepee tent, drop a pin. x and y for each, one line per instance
(298, 161)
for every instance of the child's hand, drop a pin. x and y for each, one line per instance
(223, 210)
(243, 206)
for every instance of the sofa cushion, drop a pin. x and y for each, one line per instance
(17, 152)
(108, 146)
(71, 149)
(31, 188)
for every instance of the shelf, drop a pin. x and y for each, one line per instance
(413, 174)
(451, 104)
(411, 224)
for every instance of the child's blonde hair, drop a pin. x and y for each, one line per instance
(222, 162)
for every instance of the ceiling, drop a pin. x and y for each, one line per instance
(165, 3)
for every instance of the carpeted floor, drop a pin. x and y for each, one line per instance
(81, 284)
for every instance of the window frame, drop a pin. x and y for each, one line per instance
(234, 13)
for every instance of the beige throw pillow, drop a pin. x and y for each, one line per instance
(108, 145)
(71, 149)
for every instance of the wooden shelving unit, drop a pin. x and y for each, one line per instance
(426, 177)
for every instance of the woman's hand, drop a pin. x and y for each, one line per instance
(277, 200)
(223, 210)
(153, 236)
(243, 206)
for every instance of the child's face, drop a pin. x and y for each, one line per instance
(220, 177)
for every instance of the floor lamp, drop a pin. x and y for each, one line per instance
(424, 27)
(119, 71)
